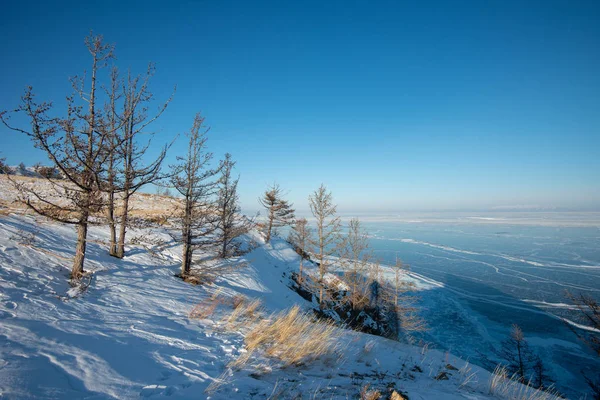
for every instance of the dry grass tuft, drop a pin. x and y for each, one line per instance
(366, 394)
(237, 301)
(245, 313)
(291, 337)
(207, 307)
(467, 376)
(508, 387)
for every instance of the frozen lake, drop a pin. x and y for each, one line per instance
(496, 270)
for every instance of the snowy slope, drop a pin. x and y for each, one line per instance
(129, 335)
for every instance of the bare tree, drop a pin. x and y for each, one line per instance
(112, 125)
(22, 169)
(47, 172)
(127, 128)
(541, 379)
(328, 228)
(404, 304)
(587, 311)
(231, 223)
(3, 167)
(357, 260)
(515, 350)
(279, 211)
(300, 236)
(193, 179)
(77, 145)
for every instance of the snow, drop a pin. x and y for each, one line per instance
(128, 333)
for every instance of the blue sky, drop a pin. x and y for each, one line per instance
(393, 105)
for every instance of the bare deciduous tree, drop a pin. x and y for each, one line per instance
(356, 260)
(541, 379)
(328, 228)
(193, 179)
(47, 172)
(404, 304)
(3, 167)
(515, 350)
(127, 128)
(279, 211)
(300, 236)
(588, 312)
(231, 223)
(77, 145)
(112, 185)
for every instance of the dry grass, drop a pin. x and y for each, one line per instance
(245, 313)
(366, 394)
(207, 307)
(467, 375)
(291, 337)
(508, 387)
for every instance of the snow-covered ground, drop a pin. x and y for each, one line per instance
(129, 335)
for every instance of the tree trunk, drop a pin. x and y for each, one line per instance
(112, 225)
(82, 228)
(186, 261)
(224, 249)
(521, 366)
(321, 264)
(123, 228)
(270, 226)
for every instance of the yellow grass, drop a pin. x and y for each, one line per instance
(366, 394)
(508, 387)
(291, 337)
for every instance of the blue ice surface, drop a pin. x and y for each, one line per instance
(496, 275)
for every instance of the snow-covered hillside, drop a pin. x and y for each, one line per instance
(129, 333)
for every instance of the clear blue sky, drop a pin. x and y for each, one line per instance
(393, 105)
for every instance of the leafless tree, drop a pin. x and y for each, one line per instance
(127, 127)
(47, 172)
(328, 229)
(230, 221)
(541, 379)
(194, 180)
(113, 121)
(300, 237)
(356, 259)
(405, 304)
(3, 167)
(77, 145)
(279, 211)
(515, 350)
(22, 169)
(588, 312)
